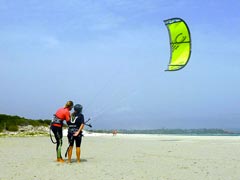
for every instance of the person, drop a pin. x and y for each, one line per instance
(114, 132)
(75, 127)
(56, 126)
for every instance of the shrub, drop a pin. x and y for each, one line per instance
(1, 128)
(12, 127)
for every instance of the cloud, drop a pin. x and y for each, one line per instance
(50, 42)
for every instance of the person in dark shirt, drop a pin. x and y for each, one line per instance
(75, 127)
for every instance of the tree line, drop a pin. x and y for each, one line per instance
(11, 123)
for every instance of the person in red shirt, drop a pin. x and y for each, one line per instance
(56, 126)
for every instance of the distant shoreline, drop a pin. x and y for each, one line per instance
(20, 126)
(30, 131)
(185, 132)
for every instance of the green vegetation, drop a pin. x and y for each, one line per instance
(11, 123)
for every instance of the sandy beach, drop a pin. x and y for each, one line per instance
(129, 157)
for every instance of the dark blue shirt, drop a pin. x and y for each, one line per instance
(75, 122)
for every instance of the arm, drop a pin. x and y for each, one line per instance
(67, 116)
(81, 126)
(79, 130)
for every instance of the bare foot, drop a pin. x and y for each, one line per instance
(60, 160)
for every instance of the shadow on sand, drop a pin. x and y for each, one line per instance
(82, 161)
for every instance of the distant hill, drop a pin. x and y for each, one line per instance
(12, 123)
(174, 131)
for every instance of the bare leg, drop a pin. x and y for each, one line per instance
(70, 153)
(78, 152)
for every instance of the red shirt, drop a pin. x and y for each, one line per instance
(62, 114)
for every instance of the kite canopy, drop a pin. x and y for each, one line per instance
(180, 42)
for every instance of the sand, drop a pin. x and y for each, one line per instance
(126, 157)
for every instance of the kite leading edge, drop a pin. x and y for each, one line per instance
(180, 42)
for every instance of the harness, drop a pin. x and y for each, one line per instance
(56, 120)
(72, 126)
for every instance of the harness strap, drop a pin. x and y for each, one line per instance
(56, 121)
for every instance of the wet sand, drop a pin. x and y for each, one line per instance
(126, 157)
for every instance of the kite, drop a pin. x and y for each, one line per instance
(180, 42)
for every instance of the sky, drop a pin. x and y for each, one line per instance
(110, 57)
